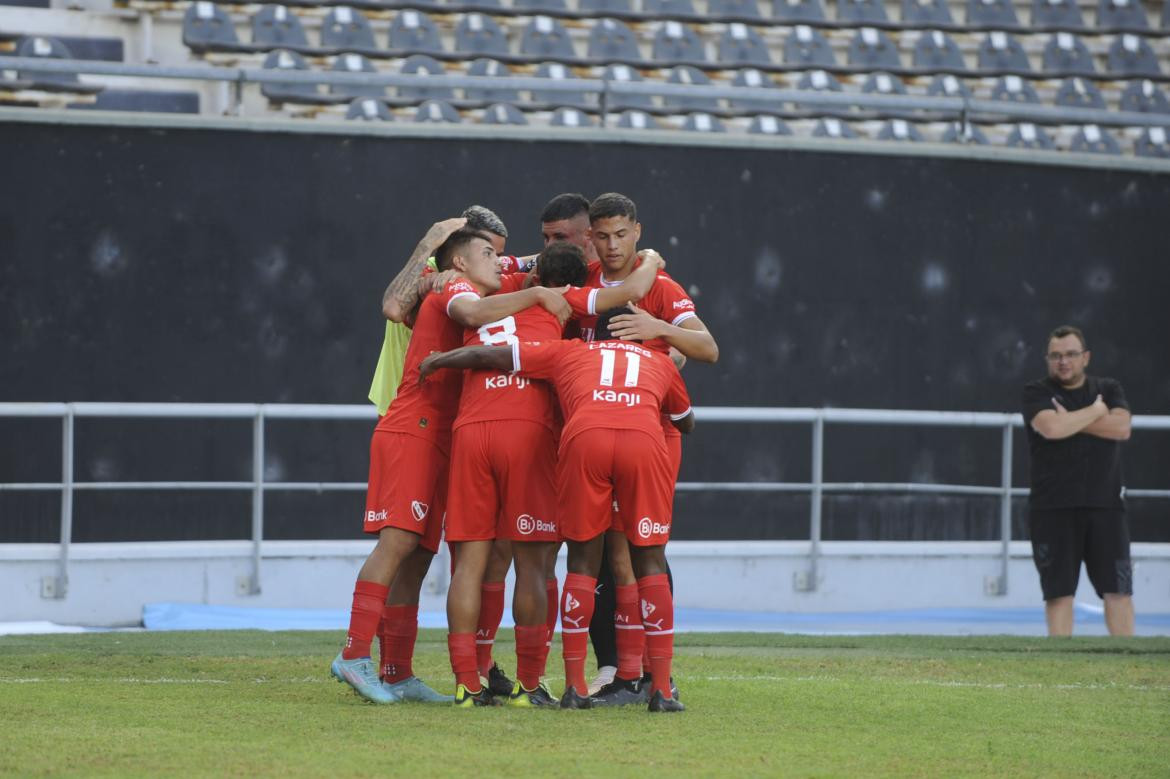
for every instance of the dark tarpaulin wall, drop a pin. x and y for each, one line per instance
(201, 265)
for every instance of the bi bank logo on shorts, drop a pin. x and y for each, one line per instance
(648, 527)
(526, 525)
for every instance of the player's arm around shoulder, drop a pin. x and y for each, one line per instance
(477, 311)
(499, 358)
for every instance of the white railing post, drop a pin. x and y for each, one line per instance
(61, 584)
(1005, 508)
(806, 581)
(257, 497)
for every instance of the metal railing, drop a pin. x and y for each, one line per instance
(260, 413)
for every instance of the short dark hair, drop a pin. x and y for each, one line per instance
(612, 204)
(1066, 330)
(454, 244)
(485, 219)
(601, 329)
(561, 263)
(565, 206)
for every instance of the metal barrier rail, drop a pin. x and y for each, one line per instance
(258, 413)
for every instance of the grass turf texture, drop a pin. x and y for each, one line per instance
(247, 703)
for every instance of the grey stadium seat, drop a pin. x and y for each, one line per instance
(541, 5)
(675, 42)
(1144, 97)
(437, 111)
(1029, 136)
(348, 29)
(546, 37)
(687, 74)
(490, 67)
(833, 128)
(1000, 51)
(991, 13)
(637, 120)
(668, 7)
(1076, 92)
(926, 12)
(741, 45)
(883, 84)
(355, 63)
(1057, 13)
(935, 50)
(1091, 138)
(503, 113)
(1166, 14)
(289, 91)
(570, 117)
(872, 48)
(41, 46)
(153, 101)
(751, 78)
(746, 9)
(899, 130)
(820, 81)
(423, 65)
(370, 110)
(1131, 55)
(1013, 89)
(1121, 15)
(806, 46)
(275, 26)
(957, 132)
(1153, 142)
(768, 125)
(701, 122)
(947, 85)
(478, 33)
(567, 97)
(798, 10)
(1066, 53)
(206, 25)
(414, 31)
(605, 6)
(620, 101)
(611, 40)
(861, 11)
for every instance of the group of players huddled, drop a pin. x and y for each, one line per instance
(556, 406)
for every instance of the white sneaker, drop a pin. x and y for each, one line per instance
(604, 676)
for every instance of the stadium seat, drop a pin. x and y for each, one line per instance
(741, 45)
(926, 12)
(294, 92)
(1057, 13)
(274, 26)
(700, 122)
(899, 130)
(872, 48)
(946, 85)
(831, 127)
(149, 100)
(753, 79)
(744, 9)
(207, 26)
(46, 48)
(1076, 92)
(1121, 15)
(1166, 14)
(676, 42)
(668, 7)
(414, 31)
(491, 68)
(1091, 138)
(957, 132)
(1144, 97)
(806, 46)
(620, 101)
(883, 84)
(556, 71)
(1131, 55)
(606, 6)
(1029, 136)
(861, 11)
(935, 50)
(347, 29)
(547, 38)
(1066, 53)
(637, 120)
(424, 65)
(570, 117)
(478, 33)
(1013, 89)
(355, 63)
(768, 125)
(1153, 142)
(820, 81)
(540, 5)
(369, 110)
(1000, 51)
(991, 13)
(687, 74)
(798, 10)
(611, 40)
(437, 111)
(503, 113)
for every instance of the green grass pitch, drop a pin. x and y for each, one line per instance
(245, 703)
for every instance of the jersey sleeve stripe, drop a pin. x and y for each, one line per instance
(457, 296)
(683, 415)
(684, 316)
(592, 304)
(515, 357)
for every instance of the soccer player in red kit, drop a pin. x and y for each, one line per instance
(409, 450)
(612, 394)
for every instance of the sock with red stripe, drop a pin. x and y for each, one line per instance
(631, 641)
(658, 620)
(461, 646)
(531, 653)
(576, 612)
(491, 611)
(398, 633)
(364, 615)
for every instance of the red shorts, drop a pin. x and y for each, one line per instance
(674, 450)
(407, 487)
(503, 483)
(601, 465)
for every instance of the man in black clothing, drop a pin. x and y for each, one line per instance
(1075, 424)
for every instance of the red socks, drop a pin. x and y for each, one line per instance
(368, 598)
(627, 621)
(462, 649)
(491, 611)
(658, 620)
(398, 632)
(531, 653)
(576, 611)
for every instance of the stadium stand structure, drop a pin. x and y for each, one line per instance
(1076, 75)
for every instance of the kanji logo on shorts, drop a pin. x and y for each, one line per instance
(376, 516)
(648, 527)
(419, 510)
(526, 525)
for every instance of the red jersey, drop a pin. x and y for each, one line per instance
(512, 264)
(494, 395)
(428, 411)
(607, 384)
(666, 300)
